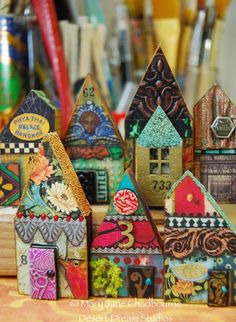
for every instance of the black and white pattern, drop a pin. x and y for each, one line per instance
(19, 148)
(194, 222)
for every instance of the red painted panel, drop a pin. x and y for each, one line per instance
(189, 199)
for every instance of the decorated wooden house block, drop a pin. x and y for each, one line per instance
(199, 247)
(94, 144)
(158, 88)
(126, 254)
(215, 144)
(52, 228)
(19, 143)
(158, 157)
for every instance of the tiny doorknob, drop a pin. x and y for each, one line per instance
(50, 273)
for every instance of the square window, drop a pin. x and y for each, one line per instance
(165, 168)
(153, 153)
(165, 154)
(154, 168)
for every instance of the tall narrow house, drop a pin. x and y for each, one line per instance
(19, 144)
(199, 247)
(129, 244)
(52, 227)
(94, 144)
(158, 88)
(215, 144)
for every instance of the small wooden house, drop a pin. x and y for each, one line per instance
(94, 144)
(157, 88)
(158, 158)
(215, 144)
(129, 240)
(199, 247)
(52, 227)
(19, 143)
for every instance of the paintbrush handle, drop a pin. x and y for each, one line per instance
(191, 84)
(207, 78)
(216, 37)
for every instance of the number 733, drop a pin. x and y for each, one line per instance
(161, 185)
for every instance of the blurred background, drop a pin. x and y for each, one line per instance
(52, 45)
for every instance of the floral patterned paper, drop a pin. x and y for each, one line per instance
(48, 193)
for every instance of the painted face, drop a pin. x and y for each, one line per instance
(90, 121)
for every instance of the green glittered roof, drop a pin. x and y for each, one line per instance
(159, 132)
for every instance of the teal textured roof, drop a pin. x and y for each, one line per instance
(159, 132)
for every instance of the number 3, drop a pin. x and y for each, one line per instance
(127, 234)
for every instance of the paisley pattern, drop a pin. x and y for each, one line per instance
(180, 243)
(158, 88)
(50, 229)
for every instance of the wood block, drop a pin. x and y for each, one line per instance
(7, 235)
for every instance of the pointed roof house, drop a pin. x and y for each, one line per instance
(199, 246)
(20, 139)
(214, 121)
(52, 213)
(158, 88)
(159, 132)
(53, 192)
(33, 119)
(128, 227)
(92, 123)
(190, 205)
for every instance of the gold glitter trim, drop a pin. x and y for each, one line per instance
(68, 171)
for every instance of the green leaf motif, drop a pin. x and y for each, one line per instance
(166, 261)
(176, 300)
(175, 293)
(198, 288)
(206, 286)
(172, 279)
(168, 291)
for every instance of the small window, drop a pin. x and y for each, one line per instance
(165, 154)
(165, 168)
(159, 161)
(154, 168)
(153, 154)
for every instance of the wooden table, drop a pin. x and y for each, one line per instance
(20, 308)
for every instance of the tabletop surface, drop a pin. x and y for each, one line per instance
(15, 307)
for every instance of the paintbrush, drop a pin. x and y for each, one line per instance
(192, 73)
(211, 45)
(166, 14)
(135, 9)
(189, 18)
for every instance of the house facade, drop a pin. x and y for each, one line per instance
(128, 238)
(158, 88)
(19, 144)
(199, 247)
(94, 144)
(158, 158)
(52, 228)
(215, 144)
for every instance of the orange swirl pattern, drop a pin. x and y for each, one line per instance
(182, 243)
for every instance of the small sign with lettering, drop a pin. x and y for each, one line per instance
(29, 126)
